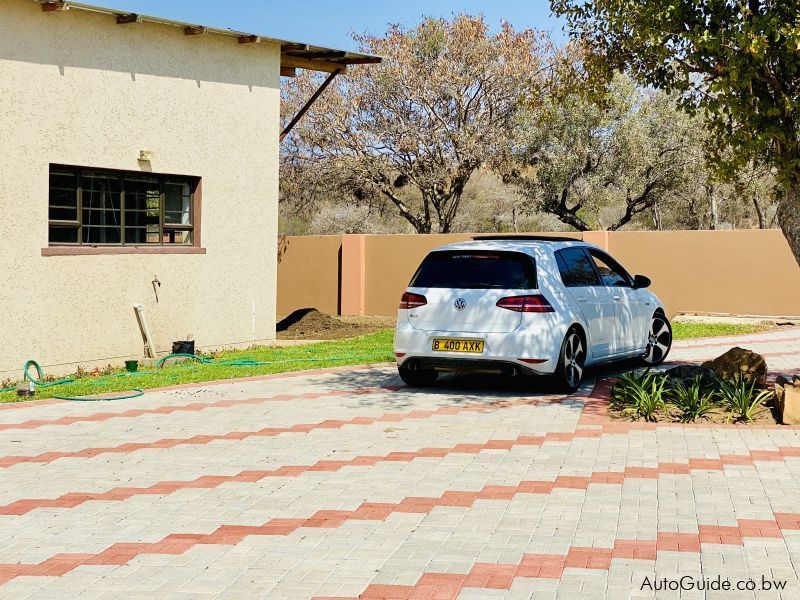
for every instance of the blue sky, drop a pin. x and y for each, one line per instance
(331, 23)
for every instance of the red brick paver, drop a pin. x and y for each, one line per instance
(343, 483)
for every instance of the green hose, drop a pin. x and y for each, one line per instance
(136, 392)
(248, 362)
(40, 382)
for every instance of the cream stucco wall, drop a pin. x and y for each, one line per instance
(78, 89)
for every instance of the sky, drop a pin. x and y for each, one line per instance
(331, 24)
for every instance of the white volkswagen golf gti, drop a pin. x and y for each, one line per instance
(525, 305)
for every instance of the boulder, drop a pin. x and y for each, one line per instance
(738, 361)
(787, 400)
(686, 374)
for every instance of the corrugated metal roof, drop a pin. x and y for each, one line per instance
(294, 54)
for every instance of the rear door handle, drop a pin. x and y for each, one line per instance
(582, 300)
(616, 298)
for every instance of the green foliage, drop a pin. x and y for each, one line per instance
(684, 330)
(367, 349)
(641, 395)
(735, 61)
(583, 158)
(742, 398)
(693, 400)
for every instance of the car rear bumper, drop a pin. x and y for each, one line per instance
(533, 348)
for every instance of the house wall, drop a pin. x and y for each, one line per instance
(78, 89)
(744, 272)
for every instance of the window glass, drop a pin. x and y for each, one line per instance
(102, 222)
(142, 209)
(177, 202)
(476, 270)
(576, 268)
(63, 196)
(90, 206)
(611, 273)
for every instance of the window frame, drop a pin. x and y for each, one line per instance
(123, 247)
(582, 249)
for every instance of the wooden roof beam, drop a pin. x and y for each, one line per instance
(193, 30)
(296, 62)
(249, 39)
(292, 47)
(129, 18)
(308, 104)
(288, 72)
(364, 60)
(51, 5)
(322, 54)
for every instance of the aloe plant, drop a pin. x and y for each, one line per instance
(742, 397)
(641, 394)
(693, 400)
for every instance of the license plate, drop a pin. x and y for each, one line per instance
(453, 345)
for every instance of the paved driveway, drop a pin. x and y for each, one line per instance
(344, 484)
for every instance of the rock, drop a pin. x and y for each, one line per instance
(686, 374)
(738, 361)
(787, 400)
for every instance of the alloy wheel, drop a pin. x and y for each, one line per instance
(659, 340)
(574, 358)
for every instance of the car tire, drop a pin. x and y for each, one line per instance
(571, 361)
(417, 377)
(659, 340)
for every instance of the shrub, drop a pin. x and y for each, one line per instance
(693, 400)
(641, 395)
(743, 399)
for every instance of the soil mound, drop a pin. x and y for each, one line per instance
(309, 323)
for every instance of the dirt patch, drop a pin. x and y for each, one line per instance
(311, 324)
(719, 416)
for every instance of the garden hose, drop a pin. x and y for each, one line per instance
(135, 393)
(40, 374)
(249, 362)
(38, 380)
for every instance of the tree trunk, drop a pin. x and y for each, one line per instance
(714, 215)
(759, 213)
(789, 217)
(657, 217)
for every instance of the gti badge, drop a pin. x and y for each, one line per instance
(460, 304)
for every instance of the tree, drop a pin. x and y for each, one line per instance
(413, 130)
(735, 61)
(598, 162)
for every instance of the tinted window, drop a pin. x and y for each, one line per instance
(476, 270)
(611, 273)
(576, 268)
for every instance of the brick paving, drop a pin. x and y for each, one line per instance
(346, 484)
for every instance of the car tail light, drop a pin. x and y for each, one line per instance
(536, 304)
(410, 300)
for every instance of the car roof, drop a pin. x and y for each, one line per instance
(529, 245)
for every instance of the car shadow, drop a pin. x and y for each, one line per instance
(458, 389)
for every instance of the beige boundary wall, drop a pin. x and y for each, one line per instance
(743, 272)
(78, 89)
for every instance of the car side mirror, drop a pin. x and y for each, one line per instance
(640, 281)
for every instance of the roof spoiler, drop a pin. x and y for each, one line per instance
(526, 238)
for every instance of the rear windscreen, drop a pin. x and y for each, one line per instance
(476, 270)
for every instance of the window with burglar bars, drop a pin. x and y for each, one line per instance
(99, 207)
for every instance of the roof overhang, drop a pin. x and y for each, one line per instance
(294, 55)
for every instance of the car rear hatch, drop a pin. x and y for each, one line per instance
(462, 289)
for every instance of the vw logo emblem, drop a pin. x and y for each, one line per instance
(460, 304)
